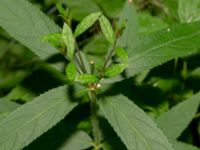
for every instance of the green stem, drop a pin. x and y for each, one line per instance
(94, 121)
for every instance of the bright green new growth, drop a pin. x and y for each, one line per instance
(122, 54)
(71, 71)
(68, 39)
(107, 30)
(54, 39)
(87, 78)
(86, 23)
(115, 69)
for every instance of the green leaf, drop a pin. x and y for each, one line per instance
(64, 136)
(54, 39)
(61, 10)
(27, 24)
(114, 70)
(87, 78)
(189, 10)
(7, 106)
(174, 121)
(86, 23)
(79, 9)
(183, 146)
(122, 54)
(71, 71)
(106, 28)
(162, 46)
(32, 119)
(133, 126)
(69, 41)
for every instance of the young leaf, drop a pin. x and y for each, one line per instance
(87, 78)
(31, 120)
(27, 24)
(133, 126)
(106, 28)
(86, 23)
(54, 39)
(173, 123)
(114, 70)
(122, 54)
(61, 10)
(71, 71)
(68, 39)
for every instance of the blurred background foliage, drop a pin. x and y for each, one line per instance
(23, 75)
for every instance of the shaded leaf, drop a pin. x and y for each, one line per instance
(175, 121)
(28, 25)
(86, 23)
(133, 126)
(183, 146)
(28, 122)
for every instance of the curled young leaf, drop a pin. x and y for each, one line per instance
(54, 39)
(68, 39)
(122, 54)
(115, 69)
(71, 71)
(86, 23)
(87, 78)
(107, 29)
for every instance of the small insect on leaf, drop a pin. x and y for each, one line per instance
(68, 39)
(106, 28)
(114, 70)
(87, 78)
(71, 71)
(86, 23)
(54, 39)
(122, 54)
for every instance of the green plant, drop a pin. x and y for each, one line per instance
(87, 84)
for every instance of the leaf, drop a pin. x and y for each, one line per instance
(164, 45)
(61, 10)
(87, 78)
(71, 71)
(27, 24)
(130, 34)
(189, 11)
(122, 54)
(7, 106)
(133, 126)
(106, 28)
(32, 119)
(54, 39)
(65, 138)
(183, 146)
(79, 8)
(86, 23)
(173, 123)
(115, 69)
(68, 39)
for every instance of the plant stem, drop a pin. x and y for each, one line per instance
(94, 121)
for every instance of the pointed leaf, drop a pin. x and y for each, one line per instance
(115, 69)
(71, 71)
(27, 24)
(87, 78)
(133, 126)
(174, 121)
(68, 39)
(106, 28)
(122, 54)
(28, 122)
(54, 39)
(86, 23)
(164, 45)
